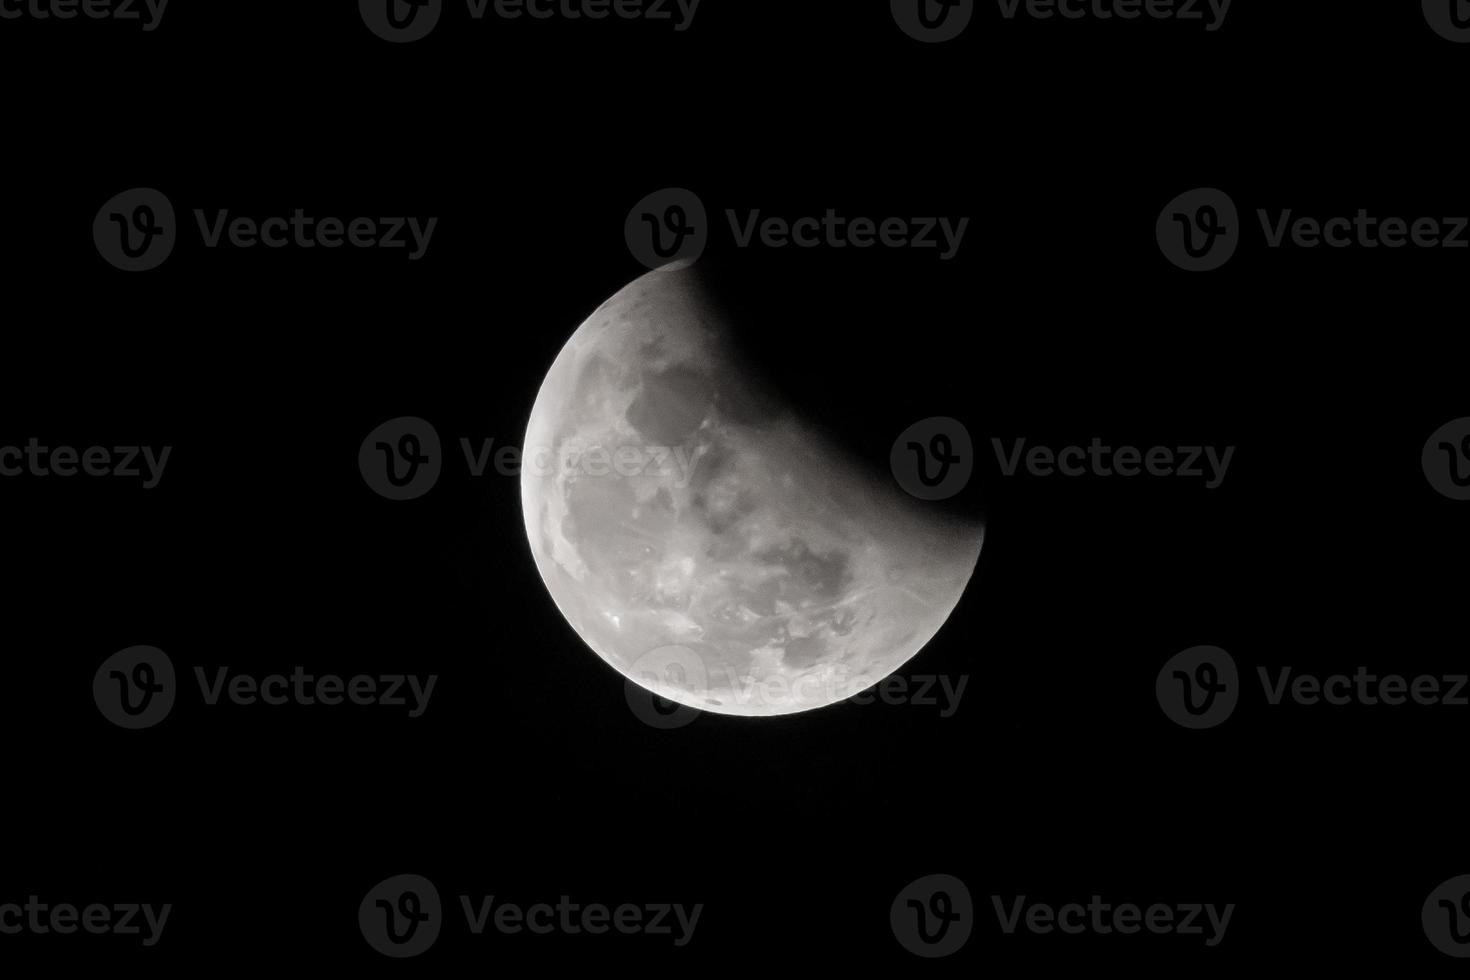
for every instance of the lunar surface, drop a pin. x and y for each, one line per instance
(705, 541)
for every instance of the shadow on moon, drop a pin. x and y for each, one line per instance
(707, 541)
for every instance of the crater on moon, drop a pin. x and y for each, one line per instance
(704, 540)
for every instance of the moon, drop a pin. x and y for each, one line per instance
(705, 541)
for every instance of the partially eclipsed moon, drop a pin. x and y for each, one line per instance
(705, 541)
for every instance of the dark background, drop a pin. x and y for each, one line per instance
(529, 777)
